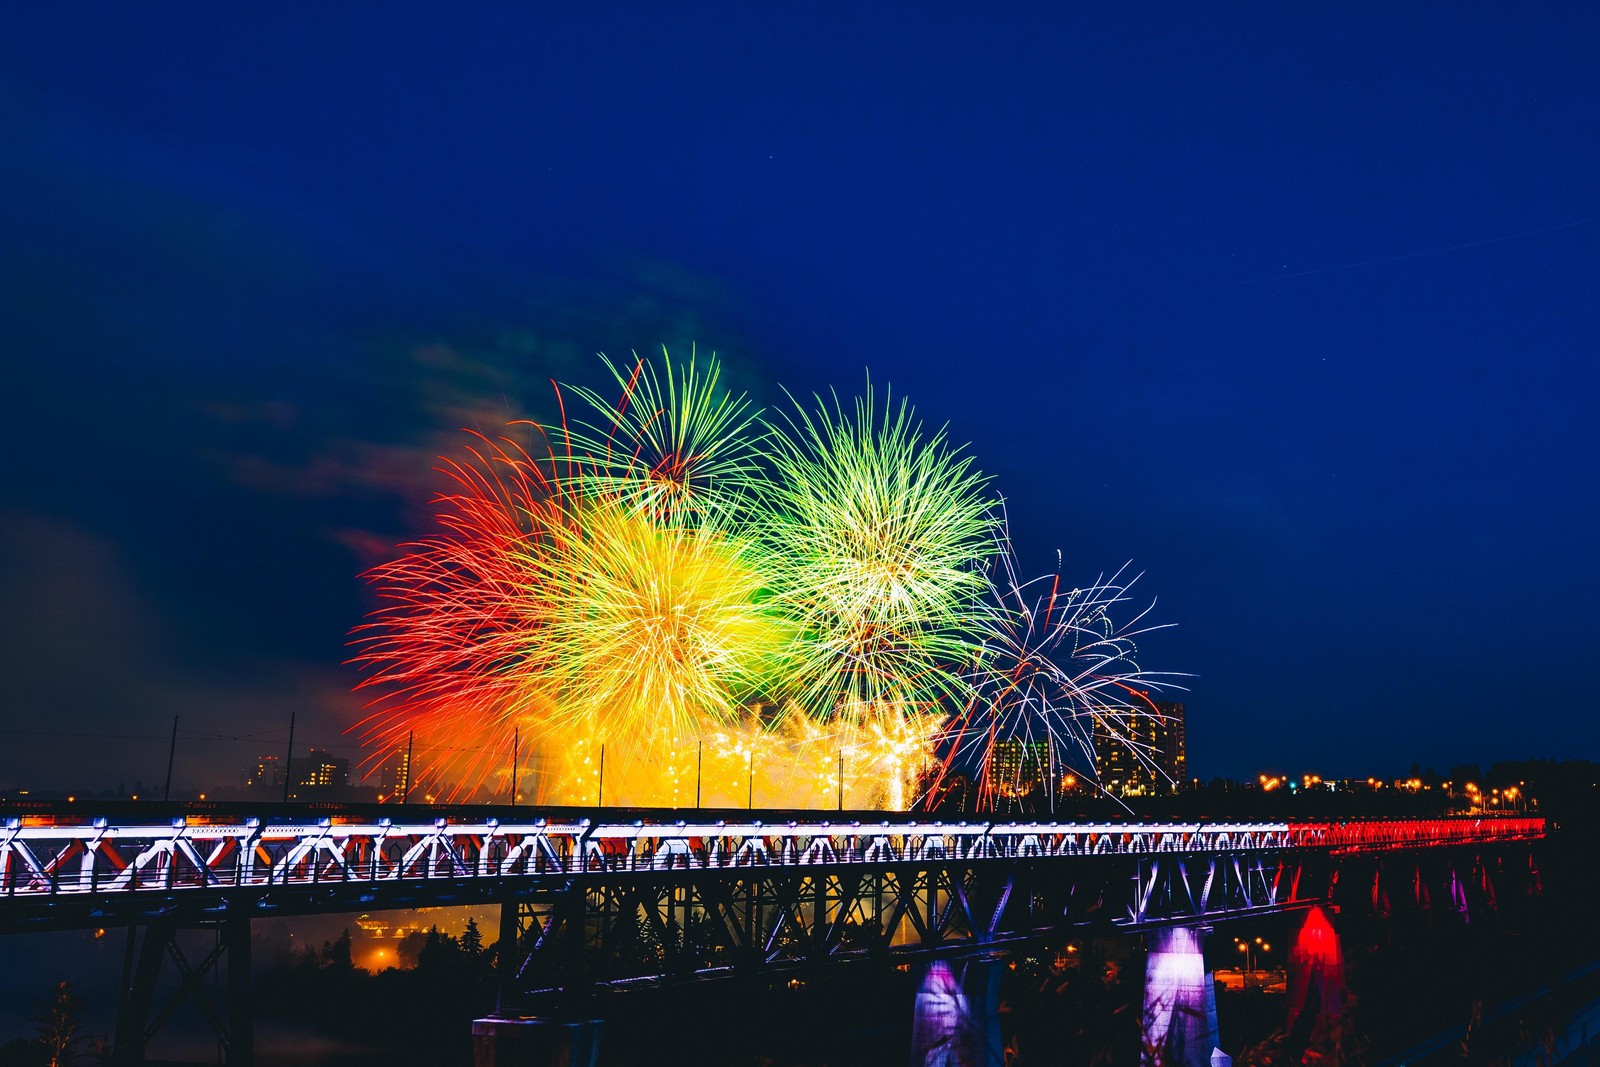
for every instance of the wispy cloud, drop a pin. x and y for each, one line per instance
(93, 668)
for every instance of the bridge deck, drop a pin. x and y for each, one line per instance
(63, 868)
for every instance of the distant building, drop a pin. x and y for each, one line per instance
(1018, 767)
(264, 773)
(1175, 746)
(1144, 751)
(318, 774)
(394, 775)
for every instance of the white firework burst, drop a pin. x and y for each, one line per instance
(1056, 668)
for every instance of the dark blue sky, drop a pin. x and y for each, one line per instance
(1296, 309)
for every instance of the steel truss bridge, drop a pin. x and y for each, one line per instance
(602, 901)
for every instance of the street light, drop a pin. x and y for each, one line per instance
(1252, 956)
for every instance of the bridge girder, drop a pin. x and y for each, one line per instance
(57, 873)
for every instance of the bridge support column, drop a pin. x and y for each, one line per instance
(1316, 977)
(241, 1036)
(138, 990)
(526, 1041)
(1180, 999)
(233, 1020)
(957, 1021)
(508, 955)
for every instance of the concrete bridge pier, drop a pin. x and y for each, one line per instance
(532, 1041)
(1316, 977)
(1180, 999)
(957, 1021)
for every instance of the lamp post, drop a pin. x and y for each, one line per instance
(1252, 956)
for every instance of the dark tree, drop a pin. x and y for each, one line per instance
(440, 953)
(58, 1026)
(472, 941)
(336, 955)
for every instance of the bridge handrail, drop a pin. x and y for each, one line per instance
(42, 857)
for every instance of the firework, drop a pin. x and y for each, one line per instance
(657, 625)
(585, 595)
(877, 532)
(1056, 667)
(674, 443)
(456, 644)
(668, 599)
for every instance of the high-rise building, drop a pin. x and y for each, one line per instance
(1018, 767)
(1143, 752)
(1175, 746)
(263, 773)
(394, 775)
(319, 773)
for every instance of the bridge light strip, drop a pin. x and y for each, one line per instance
(45, 859)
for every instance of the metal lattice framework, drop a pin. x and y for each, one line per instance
(60, 872)
(589, 903)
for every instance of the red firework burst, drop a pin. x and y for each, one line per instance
(453, 649)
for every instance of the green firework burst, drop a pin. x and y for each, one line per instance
(875, 532)
(674, 442)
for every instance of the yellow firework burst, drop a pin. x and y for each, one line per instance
(658, 626)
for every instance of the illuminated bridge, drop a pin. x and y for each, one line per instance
(614, 899)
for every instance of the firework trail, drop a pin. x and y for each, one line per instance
(455, 645)
(657, 626)
(674, 443)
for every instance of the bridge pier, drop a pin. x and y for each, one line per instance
(1180, 999)
(1316, 978)
(233, 1022)
(531, 1041)
(957, 1022)
(510, 1038)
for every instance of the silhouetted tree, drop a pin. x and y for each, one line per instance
(58, 1026)
(440, 955)
(336, 955)
(472, 941)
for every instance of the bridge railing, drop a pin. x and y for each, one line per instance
(1377, 835)
(43, 857)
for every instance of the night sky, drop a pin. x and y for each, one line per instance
(1295, 309)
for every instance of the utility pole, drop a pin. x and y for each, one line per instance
(600, 799)
(172, 750)
(699, 762)
(516, 738)
(288, 759)
(750, 797)
(841, 779)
